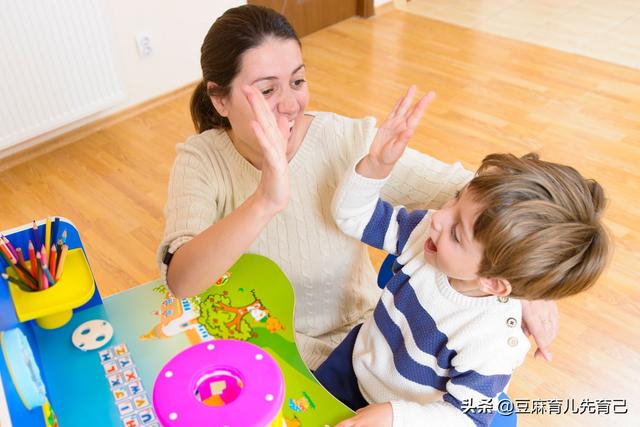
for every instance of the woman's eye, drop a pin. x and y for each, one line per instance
(299, 82)
(266, 92)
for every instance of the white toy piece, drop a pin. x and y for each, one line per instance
(92, 334)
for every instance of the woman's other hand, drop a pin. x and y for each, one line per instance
(541, 319)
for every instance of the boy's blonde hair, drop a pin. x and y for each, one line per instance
(541, 226)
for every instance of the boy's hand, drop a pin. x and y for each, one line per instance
(374, 415)
(540, 318)
(393, 135)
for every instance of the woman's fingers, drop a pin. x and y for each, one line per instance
(275, 131)
(261, 110)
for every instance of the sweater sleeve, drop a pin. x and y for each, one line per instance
(192, 201)
(361, 213)
(480, 371)
(470, 400)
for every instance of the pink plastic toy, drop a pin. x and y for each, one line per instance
(224, 383)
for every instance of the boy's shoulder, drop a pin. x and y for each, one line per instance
(496, 341)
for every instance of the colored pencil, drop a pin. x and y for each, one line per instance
(8, 245)
(6, 253)
(52, 260)
(48, 274)
(21, 285)
(54, 230)
(44, 282)
(61, 259)
(21, 258)
(64, 237)
(32, 260)
(25, 276)
(8, 258)
(58, 249)
(34, 234)
(47, 237)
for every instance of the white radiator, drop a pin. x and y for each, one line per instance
(57, 65)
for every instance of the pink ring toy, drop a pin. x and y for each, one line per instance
(252, 386)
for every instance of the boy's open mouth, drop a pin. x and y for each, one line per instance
(429, 246)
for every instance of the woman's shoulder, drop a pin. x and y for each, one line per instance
(343, 127)
(211, 140)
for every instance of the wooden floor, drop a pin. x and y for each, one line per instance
(494, 95)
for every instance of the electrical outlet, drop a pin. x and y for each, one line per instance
(143, 42)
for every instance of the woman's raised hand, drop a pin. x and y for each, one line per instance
(272, 136)
(393, 135)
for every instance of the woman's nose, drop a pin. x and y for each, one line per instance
(287, 103)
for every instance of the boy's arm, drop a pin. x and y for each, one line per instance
(360, 213)
(356, 205)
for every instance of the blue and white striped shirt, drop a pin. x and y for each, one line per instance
(429, 350)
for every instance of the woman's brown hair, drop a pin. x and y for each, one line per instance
(541, 226)
(236, 31)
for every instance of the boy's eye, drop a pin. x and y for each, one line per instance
(453, 234)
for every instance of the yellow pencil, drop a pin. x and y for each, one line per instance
(47, 238)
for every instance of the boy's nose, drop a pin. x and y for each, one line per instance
(436, 223)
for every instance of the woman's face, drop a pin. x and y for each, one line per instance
(276, 69)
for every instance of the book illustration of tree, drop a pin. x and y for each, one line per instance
(223, 320)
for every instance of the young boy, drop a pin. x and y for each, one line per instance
(447, 330)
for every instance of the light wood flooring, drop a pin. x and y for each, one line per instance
(494, 95)
(608, 30)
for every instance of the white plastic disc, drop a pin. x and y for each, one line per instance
(92, 335)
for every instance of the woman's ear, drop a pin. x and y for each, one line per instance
(219, 102)
(495, 286)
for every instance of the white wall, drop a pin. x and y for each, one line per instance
(177, 29)
(377, 3)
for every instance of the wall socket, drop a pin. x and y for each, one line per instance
(144, 45)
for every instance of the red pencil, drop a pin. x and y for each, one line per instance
(32, 260)
(52, 260)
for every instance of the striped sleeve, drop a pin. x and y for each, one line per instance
(361, 213)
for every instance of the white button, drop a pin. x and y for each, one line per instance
(503, 299)
(512, 341)
(511, 322)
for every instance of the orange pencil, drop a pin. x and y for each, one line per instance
(52, 260)
(32, 260)
(7, 253)
(61, 258)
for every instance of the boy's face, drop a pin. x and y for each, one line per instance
(450, 244)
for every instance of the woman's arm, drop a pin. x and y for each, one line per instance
(197, 263)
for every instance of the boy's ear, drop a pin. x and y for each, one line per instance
(495, 286)
(219, 102)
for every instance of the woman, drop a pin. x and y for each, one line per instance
(260, 175)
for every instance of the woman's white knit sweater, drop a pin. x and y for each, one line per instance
(333, 280)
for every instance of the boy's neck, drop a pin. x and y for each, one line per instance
(470, 288)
